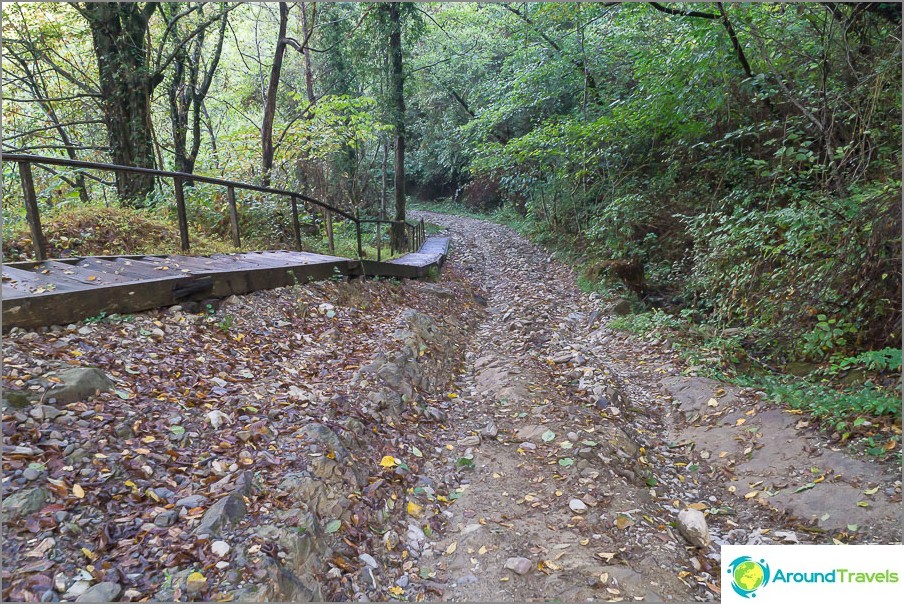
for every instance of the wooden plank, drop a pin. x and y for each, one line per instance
(10, 292)
(29, 281)
(81, 273)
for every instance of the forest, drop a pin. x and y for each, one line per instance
(730, 169)
(670, 319)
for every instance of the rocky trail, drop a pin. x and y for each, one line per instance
(483, 438)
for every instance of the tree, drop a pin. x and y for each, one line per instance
(190, 83)
(392, 15)
(119, 33)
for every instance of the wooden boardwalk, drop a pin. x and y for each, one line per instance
(68, 290)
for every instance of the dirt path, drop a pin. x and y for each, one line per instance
(584, 460)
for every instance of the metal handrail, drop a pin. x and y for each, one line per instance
(416, 232)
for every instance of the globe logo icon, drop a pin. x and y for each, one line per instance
(748, 575)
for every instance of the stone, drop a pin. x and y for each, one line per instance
(102, 592)
(577, 506)
(60, 581)
(30, 474)
(368, 560)
(490, 430)
(325, 437)
(77, 384)
(166, 519)
(519, 565)
(436, 290)
(531, 432)
(23, 503)
(228, 510)
(192, 501)
(692, 525)
(77, 589)
(219, 548)
(244, 435)
(469, 441)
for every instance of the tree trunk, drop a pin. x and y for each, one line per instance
(397, 93)
(270, 102)
(118, 33)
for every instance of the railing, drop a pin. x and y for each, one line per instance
(415, 233)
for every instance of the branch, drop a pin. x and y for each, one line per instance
(161, 66)
(672, 11)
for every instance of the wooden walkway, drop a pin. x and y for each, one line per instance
(69, 290)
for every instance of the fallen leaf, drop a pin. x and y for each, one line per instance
(396, 590)
(548, 436)
(389, 461)
(78, 491)
(415, 509)
(751, 495)
(451, 549)
(871, 491)
(333, 526)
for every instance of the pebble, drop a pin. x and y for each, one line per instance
(167, 518)
(577, 506)
(368, 560)
(30, 474)
(527, 446)
(192, 501)
(519, 565)
(402, 581)
(219, 548)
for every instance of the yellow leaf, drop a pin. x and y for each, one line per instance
(452, 395)
(863, 504)
(396, 590)
(414, 509)
(482, 550)
(584, 541)
(871, 491)
(741, 421)
(698, 506)
(451, 549)
(389, 461)
(78, 491)
(751, 495)
(130, 484)
(148, 439)
(89, 554)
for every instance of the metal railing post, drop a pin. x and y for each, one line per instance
(31, 211)
(296, 226)
(329, 230)
(379, 242)
(233, 216)
(358, 233)
(178, 185)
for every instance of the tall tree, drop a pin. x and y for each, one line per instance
(397, 102)
(120, 33)
(191, 80)
(270, 98)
